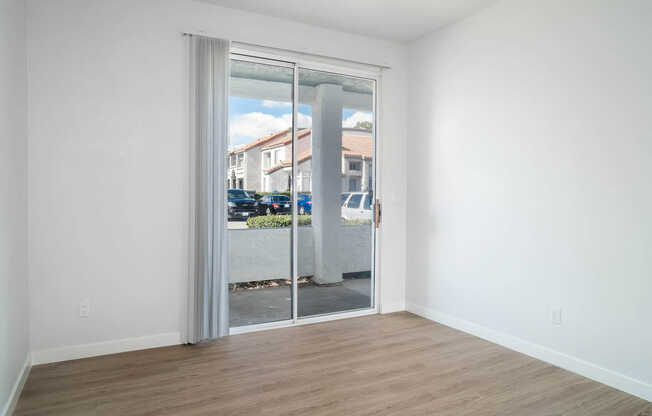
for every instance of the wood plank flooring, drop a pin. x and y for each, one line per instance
(397, 364)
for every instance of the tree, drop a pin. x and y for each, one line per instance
(365, 125)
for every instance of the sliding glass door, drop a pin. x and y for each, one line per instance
(259, 185)
(301, 181)
(336, 167)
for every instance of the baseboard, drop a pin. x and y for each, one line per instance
(75, 352)
(576, 365)
(392, 307)
(12, 400)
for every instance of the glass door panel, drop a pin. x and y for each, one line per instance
(258, 181)
(335, 193)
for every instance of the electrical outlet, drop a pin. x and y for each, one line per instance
(84, 308)
(555, 316)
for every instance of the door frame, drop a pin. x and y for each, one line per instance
(299, 62)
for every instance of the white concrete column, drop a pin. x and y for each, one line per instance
(327, 182)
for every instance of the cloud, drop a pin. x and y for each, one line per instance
(275, 104)
(248, 127)
(356, 117)
(304, 121)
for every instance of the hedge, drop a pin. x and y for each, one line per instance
(281, 221)
(356, 222)
(276, 221)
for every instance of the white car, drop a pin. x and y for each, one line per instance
(357, 206)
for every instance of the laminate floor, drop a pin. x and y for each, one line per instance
(396, 364)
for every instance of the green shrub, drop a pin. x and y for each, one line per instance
(276, 221)
(356, 222)
(281, 221)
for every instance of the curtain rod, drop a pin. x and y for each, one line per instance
(353, 61)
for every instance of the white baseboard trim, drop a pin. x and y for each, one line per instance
(12, 400)
(392, 307)
(75, 352)
(576, 365)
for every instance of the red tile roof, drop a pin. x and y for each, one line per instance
(263, 140)
(287, 139)
(286, 163)
(360, 146)
(352, 146)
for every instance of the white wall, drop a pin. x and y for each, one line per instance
(108, 158)
(532, 137)
(14, 311)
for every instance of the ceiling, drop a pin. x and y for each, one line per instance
(307, 77)
(398, 20)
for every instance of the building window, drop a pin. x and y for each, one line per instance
(357, 166)
(353, 185)
(240, 183)
(277, 156)
(232, 160)
(240, 160)
(267, 160)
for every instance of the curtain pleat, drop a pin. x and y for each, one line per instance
(208, 307)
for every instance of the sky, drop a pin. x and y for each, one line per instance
(251, 119)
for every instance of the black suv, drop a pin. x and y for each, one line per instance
(241, 206)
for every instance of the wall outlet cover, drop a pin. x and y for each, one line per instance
(84, 308)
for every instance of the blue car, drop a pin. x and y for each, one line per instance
(304, 204)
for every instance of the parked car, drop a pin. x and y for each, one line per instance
(274, 204)
(345, 196)
(241, 205)
(304, 204)
(253, 194)
(358, 206)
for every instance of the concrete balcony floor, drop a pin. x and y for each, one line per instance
(256, 306)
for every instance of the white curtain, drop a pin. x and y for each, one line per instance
(208, 300)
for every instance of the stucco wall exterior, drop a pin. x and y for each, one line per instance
(278, 180)
(264, 254)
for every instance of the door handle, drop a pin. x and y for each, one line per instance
(377, 213)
